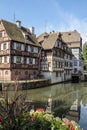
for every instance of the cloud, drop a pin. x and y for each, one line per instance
(74, 23)
(65, 22)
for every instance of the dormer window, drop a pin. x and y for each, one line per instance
(69, 33)
(26, 36)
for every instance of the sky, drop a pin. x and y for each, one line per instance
(47, 15)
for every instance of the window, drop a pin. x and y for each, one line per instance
(69, 33)
(18, 47)
(4, 46)
(18, 60)
(80, 64)
(16, 72)
(32, 49)
(56, 74)
(36, 49)
(55, 53)
(26, 72)
(43, 53)
(5, 59)
(6, 72)
(75, 63)
(30, 60)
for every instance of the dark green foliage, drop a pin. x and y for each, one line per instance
(85, 55)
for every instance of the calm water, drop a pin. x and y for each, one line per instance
(68, 100)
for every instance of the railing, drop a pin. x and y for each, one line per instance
(24, 66)
(5, 65)
(5, 52)
(15, 52)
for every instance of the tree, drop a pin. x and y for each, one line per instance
(85, 55)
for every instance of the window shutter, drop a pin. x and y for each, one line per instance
(29, 49)
(35, 49)
(27, 60)
(22, 47)
(2, 59)
(8, 59)
(14, 59)
(22, 59)
(33, 60)
(15, 45)
(2, 46)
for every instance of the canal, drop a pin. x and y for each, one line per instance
(66, 100)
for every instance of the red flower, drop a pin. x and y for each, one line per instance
(40, 109)
(71, 127)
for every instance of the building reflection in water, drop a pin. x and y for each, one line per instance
(68, 106)
(62, 101)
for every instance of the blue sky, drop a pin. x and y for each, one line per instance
(47, 15)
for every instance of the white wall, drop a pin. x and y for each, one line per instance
(52, 77)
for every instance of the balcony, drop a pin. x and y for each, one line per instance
(15, 52)
(5, 52)
(35, 66)
(58, 69)
(33, 54)
(4, 66)
(19, 66)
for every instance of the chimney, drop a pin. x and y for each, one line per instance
(32, 30)
(18, 23)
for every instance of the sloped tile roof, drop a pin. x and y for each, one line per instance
(41, 37)
(50, 41)
(16, 33)
(70, 37)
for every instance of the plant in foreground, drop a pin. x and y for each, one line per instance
(14, 116)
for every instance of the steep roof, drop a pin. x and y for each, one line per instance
(16, 33)
(50, 41)
(71, 36)
(41, 37)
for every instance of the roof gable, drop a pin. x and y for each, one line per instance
(16, 33)
(72, 36)
(49, 43)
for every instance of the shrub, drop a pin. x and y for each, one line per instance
(14, 116)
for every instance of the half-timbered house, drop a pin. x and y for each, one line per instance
(56, 57)
(19, 52)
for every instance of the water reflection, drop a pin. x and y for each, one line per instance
(67, 100)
